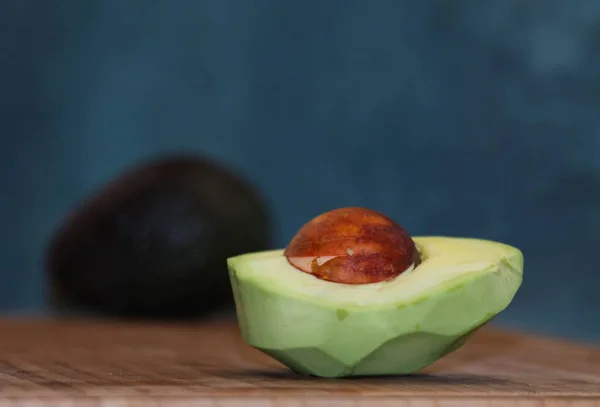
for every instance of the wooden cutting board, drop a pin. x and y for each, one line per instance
(49, 363)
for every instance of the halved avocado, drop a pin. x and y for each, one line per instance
(399, 326)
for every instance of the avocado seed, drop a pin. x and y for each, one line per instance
(352, 246)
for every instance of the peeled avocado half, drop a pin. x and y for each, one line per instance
(398, 326)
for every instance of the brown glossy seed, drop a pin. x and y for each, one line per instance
(352, 246)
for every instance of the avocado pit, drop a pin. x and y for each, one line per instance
(352, 246)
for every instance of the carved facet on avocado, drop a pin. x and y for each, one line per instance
(369, 321)
(153, 242)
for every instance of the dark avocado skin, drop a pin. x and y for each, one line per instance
(154, 242)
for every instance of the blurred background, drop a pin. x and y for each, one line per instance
(469, 118)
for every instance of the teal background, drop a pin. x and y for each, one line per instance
(474, 118)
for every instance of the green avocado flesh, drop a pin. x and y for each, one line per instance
(394, 327)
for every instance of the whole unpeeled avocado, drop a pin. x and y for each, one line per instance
(152, 242)
(399, 326)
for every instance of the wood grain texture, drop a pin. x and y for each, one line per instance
(78, 363)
